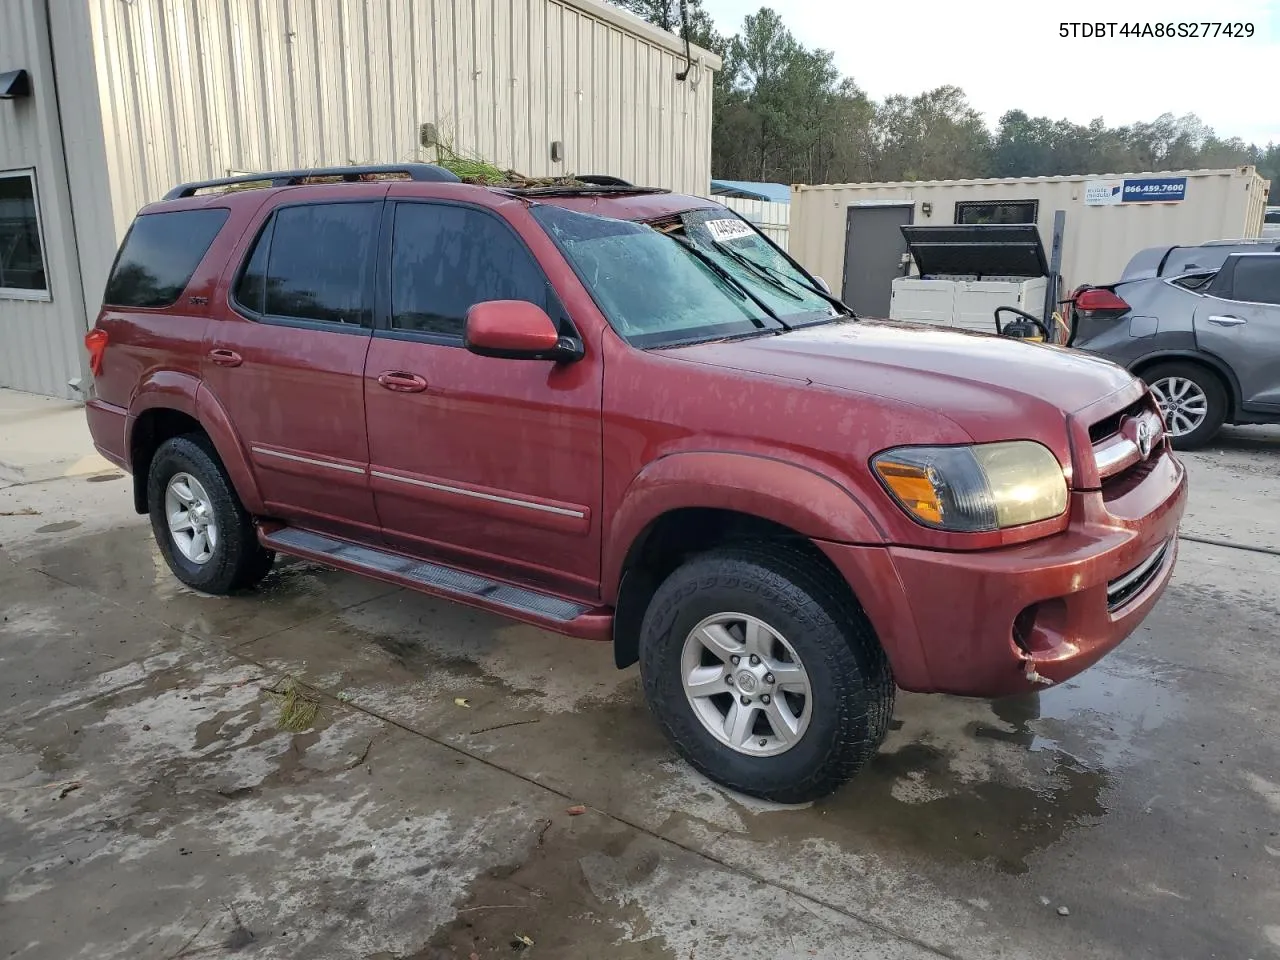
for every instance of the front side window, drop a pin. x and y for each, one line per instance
(313, 262)
(159, 255)
(22, 272)
(445, 259)
(702, 275)
(1256, 280)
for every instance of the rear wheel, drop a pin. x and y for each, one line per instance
(203, 530)
(764, 672)
(1192, 400)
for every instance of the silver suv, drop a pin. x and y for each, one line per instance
(1201, 325)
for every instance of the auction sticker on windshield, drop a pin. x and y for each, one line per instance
(723, 231)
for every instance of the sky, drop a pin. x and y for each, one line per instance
(1009, 54)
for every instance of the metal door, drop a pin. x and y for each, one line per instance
(874, 254)
(489, 464)
(1239, 321)
(285, 354)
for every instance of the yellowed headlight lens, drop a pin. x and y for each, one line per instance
(1026, 481)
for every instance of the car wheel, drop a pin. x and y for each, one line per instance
(764, 672)
(202, 529)
(1192, 400)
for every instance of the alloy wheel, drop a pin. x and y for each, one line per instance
(192, 524)
(1182, 402)
(746, 684)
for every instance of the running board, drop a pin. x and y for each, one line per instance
(540, 609)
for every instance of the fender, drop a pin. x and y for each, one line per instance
(167, 389)
(785, 493)
(213, 417)
(183, 392)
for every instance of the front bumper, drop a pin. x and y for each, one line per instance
(997, 622)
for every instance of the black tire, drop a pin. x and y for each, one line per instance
(238, 560)
(851, 682)
(1214, 393)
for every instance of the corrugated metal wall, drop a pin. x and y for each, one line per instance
(772, 219)
(198, 88)
(1098, 241)
(39, 339)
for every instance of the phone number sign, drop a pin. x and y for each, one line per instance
(1106, 193)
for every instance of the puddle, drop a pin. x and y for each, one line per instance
(58, 527)
(104, 477)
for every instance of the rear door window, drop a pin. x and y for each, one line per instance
(159, 255)
(1256, 280)
(313, 263)
(445, 259)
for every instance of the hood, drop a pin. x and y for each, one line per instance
(993, 387)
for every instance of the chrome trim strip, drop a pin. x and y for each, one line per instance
(1114, 454)
(1142, 570)
(344, 467)
(475, 494)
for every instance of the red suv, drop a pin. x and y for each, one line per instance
(626, 415)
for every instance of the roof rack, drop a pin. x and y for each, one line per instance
(424, 172)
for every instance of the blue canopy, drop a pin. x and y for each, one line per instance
(771, 192)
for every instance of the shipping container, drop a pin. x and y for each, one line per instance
(850, 233)
(120, 101)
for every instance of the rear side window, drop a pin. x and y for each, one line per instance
(1256, 280)
(159, 256)
(445, 259)
(313, 262)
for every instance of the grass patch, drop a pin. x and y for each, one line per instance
(480, 172)
(298, 709)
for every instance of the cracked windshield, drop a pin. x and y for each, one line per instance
(698, 276)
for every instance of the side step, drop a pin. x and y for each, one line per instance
(541, 609)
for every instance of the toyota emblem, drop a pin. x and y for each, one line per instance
(1144, 439)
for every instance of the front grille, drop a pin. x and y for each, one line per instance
(1108, 427)
(1123, 589)
(1116, 448)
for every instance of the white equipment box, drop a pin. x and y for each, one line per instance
(967, 271)
(964, 301)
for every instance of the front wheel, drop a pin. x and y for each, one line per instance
(765, 673)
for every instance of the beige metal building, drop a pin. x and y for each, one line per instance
(849, 233)
(107, 104)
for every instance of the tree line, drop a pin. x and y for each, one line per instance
(783, 113)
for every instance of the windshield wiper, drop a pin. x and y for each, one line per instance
(693, 341)
(761, 271)
(728, 278)
(777, 279)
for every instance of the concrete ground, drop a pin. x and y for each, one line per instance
(152, 806)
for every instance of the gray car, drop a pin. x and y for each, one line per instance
(1201, 325)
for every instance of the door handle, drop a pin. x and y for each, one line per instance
(226, 358)
(1226, 321)
(402, 382)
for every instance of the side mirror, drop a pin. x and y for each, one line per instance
(823, 284)
(517, 330)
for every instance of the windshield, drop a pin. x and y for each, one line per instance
(667, 284)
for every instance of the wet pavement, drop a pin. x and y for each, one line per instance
(153, 806)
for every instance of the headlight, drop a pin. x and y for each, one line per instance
(985, 487)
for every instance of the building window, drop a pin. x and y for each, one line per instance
(22, 260)
(997, 211)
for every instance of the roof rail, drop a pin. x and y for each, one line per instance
(601, 180)
(1242, 241)
(426, 172)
